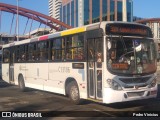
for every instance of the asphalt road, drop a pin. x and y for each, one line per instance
(12, 99)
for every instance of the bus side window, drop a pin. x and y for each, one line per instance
(52, 54)
(18, 53)
(75, 47)
(52, 49)
(6, 54)
(79, 54)
(58, 49)
(23, 57)
(69, 50)
(32, 52)
(43, 50)
(22, 53)
(43, 56)
(78, 43)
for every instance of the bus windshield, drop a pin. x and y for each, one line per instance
(127, 55)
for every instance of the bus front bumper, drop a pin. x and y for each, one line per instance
(113, 96)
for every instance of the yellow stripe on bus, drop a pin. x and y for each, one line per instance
(73, 31)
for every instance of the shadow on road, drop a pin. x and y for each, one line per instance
(158, 94)
(4, 84)
(135, 103)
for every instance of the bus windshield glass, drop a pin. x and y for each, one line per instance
(127, 55)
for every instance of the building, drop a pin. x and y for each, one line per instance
(38, 32)
(135, 18)
(54, 8)
(82, 12)
(5, 39)
(154, 24)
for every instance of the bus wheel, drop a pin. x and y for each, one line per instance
(74, 93)
(21, 83)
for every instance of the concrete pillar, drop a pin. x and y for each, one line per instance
(124, 7)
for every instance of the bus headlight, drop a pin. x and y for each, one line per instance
(114, 85)
(153, 83)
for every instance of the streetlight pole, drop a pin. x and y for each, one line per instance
(17, 20)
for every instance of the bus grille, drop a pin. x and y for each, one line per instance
(133, 86)
(131, 83)
(135, 94)
(134, 80)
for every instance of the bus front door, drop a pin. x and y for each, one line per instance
(94, 67)
(11, 67)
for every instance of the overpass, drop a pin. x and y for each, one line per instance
(30, 16)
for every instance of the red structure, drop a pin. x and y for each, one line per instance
(30, 14)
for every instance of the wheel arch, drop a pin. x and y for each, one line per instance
(20, 75)
(67, 82)
(21, 82)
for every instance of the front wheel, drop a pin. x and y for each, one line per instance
(74, 93)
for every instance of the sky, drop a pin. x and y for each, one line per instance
(141, 8)
(146, 8)
(36, 5)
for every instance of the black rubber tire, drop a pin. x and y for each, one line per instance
(21, 83)
(74, 93)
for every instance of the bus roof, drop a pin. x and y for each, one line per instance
(67, 32)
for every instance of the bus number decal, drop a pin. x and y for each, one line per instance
(64, 69)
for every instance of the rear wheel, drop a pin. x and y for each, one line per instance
(21, 83)
(74, 93)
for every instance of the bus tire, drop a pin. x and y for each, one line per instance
(21, 83)
(74, 93)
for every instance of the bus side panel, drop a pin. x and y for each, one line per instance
(32, 76)
(56, 78)
(42, 74)
(58, 74)
(5, 72)
(80, 76)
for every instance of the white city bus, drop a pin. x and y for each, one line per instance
(106, 62)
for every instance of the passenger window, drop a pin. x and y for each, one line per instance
(42, 50)
(75, 47)
(6, 55)
(32, 55)
(20, 54)
(57, 49)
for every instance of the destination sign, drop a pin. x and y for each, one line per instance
(128, 30)
(120, 66)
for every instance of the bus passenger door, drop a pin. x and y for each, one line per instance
(11, 66)
(94, 69)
